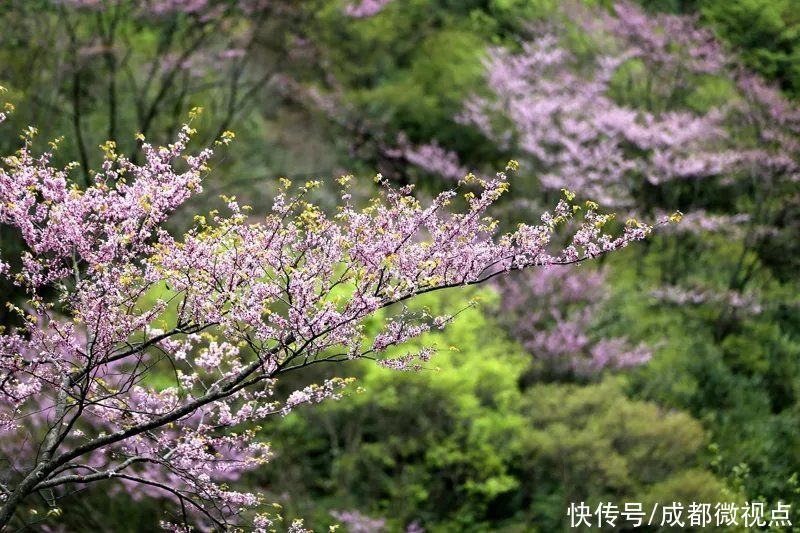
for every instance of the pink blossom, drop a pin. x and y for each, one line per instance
(356, 522)
(430, 157)
(551, 315)
(365, 8)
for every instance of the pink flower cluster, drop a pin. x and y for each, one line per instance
(202, 8)
(664, 40)
(357, 522)
(552, 314)
(365, 8)
(701, 222)
(430, 157)
(684, 296)
(578, 134)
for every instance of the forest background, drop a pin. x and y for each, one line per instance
(666, 372)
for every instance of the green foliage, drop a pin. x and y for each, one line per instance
(429, 92)
(464, 448)
(765, 33)
(737, 372)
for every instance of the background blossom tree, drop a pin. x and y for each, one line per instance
(552, 313)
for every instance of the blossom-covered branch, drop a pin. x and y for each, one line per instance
(224, 310)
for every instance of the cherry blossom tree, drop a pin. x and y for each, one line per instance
(617, 122)
(566, 117)
(115, 303)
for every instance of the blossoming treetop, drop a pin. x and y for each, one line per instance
(243, 301)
